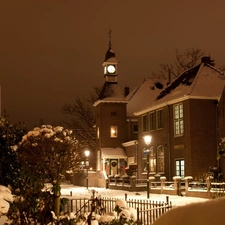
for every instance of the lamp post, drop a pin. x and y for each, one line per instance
(147, 139)
(87, 153)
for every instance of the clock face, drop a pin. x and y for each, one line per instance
(111, 69)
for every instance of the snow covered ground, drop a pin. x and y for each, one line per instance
(199, 209)
(80, 192)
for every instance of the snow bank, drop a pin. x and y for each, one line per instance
(204, 213)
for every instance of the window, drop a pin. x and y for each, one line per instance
(160, 159)
(97, 132)
(113, 131)
(178, 119)
(113, 113)
(135, 128)
(144, 160)
(180, 168)
(152, 120)
(98, 160)
(144, 123)
(159, 114)
(130, 160)
(152, 160)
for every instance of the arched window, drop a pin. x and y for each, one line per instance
(160, 159)
(152, 160)
(144, 160)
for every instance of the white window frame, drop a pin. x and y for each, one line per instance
(178, 112)
(180, 168)
(152, 120)
(159, 119)
(145, 123)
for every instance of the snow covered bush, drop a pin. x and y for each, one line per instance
(10, 136)
(121, 215)
(5, 198)
(221, 148)
(47, 152)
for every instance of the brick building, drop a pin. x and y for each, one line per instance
(185, 118)
(182, 118)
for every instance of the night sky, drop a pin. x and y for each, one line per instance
(52, 51)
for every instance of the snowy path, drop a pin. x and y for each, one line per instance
(78, 192)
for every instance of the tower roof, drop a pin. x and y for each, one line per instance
(111, 92)
(110, 54)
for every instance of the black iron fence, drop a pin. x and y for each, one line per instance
(147, 211)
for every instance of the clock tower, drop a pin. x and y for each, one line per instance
(110, 64)
(111, 123)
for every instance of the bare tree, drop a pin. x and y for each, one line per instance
(183, 61)
(83, 118)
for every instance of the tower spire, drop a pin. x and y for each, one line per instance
(110, 37)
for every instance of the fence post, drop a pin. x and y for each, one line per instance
(117, 176)
(208, 183)
(124, 178)
(151, 179)
(71, 202)
(177, 185)
(187, 181)
(163, 180)
(167, 200)
(133, 182)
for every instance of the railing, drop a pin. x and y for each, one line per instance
(147, 211)
(188, 187)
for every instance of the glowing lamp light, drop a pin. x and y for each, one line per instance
(87, 153)
(147, 139)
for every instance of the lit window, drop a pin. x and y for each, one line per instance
(98, 160)
(144, 123)
(152, 120)
(152, 160)
(160, 159)
(180, 168)
(97, 132)
(113, 131)
(159, 119)
(178, 119)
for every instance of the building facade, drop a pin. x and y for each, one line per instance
(185, 119)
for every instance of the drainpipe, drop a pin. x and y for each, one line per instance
(169, 142)
(217, 132)
(136, 156)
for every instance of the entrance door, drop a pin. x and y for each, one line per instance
(113, 166)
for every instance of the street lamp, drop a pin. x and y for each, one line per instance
(147, 139)
(87, 153)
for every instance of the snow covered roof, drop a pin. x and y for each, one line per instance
(144, 94)
(113, 153)
(111, 92)
(200, 82)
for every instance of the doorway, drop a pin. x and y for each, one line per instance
(113, 166)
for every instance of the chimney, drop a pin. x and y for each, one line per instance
(126, 91)
(206, 59)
